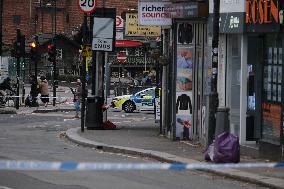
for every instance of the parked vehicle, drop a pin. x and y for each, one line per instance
(142, 100)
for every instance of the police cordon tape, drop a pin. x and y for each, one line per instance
(89, 166)
(36, 97)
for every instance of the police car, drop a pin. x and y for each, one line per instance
(142, 100)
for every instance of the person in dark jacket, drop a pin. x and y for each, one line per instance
(34, 90)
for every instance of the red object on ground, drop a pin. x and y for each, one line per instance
(108, 125)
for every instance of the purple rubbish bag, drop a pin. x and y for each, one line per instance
(226, 148)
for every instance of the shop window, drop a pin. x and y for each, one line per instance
(272, 89)
(16, 19)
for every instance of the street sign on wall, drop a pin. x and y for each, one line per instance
(119, 22)
(87, 6)
(103, 34)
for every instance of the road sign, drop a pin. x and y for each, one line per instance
(118, 22)
(121, 57)
(103, 34)
(87, 6)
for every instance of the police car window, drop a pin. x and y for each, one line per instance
(150, 92)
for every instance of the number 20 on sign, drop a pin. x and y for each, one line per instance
(87, 6)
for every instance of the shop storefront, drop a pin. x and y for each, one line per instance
(189, 54)
(250, 73)
(265, 67)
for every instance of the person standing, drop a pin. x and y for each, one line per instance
(77, 97)
(43, 86)
(34, 90)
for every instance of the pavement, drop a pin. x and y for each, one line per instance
(144, 140)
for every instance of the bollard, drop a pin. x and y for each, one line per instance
(222, 120)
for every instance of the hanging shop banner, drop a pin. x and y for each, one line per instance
(132, 27)
(184, 127)
(153, 13)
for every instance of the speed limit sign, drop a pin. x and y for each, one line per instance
(87, 6)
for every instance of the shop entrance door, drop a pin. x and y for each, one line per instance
(254, 81)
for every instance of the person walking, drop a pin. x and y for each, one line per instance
(34, 91)
(77, 97)
(43, 86)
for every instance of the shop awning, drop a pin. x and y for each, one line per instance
(127, 43)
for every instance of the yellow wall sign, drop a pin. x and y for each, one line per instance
(132, 27)
(87, 51)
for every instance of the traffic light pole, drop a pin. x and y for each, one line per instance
(18, 49)
(55, 82)
(18, 84)
(83, 76)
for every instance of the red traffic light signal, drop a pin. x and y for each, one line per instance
(51, 53)
(49, 46)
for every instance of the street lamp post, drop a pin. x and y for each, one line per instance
(213, 96)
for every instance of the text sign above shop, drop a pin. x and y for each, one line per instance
(257, 11)
(153, 13)
(182, 10)
(263, 15)
(187, 10)
(227, 6)
(132, 27)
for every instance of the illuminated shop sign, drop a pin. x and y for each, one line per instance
(262, 11)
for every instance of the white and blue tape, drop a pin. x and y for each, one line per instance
(88, 166)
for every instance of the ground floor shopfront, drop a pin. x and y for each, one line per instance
(184, 79)
(250, 84)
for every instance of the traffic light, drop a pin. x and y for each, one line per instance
(51, 52)
(33, 52)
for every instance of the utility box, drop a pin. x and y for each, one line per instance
(94, 112)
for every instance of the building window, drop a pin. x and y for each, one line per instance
(16, 19)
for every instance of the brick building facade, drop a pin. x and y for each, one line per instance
(37, 16)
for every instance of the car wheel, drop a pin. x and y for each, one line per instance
(129, 107)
